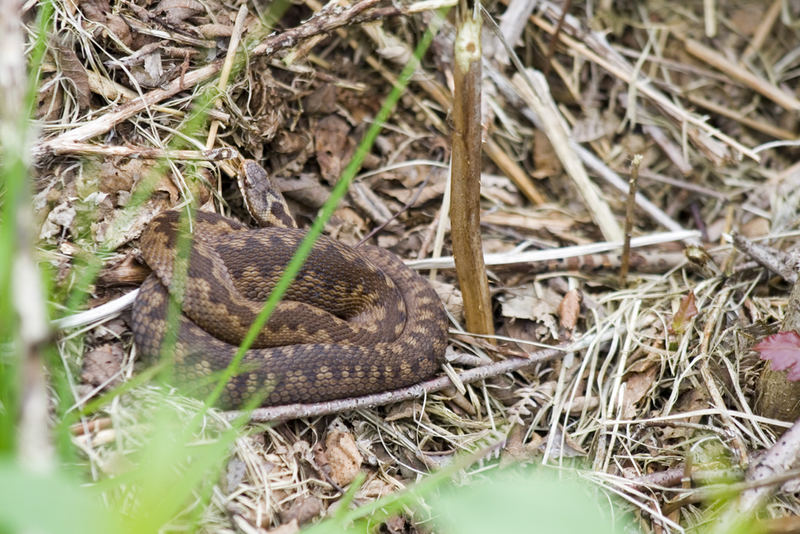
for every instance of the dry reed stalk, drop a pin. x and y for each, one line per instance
(145, 152)
(512, 94)
(710, 17)
(538, 98)
(516, 173)
(737, 72)
(225, 73)
(763, 31)
(595, 48)
(629, 205)
(758, 125)
(466, 176)
(433, 89)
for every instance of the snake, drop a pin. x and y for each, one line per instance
(355, 320)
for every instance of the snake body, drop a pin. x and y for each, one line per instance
(355, 321)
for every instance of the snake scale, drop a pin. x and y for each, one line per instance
(355, 321)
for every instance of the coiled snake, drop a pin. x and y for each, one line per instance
(355, 321)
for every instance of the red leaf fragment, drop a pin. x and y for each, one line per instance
(783, 350)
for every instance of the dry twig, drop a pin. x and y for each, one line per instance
(294, 411)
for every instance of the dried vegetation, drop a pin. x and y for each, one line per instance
(654, 392)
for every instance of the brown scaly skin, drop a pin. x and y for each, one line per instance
(354, 322)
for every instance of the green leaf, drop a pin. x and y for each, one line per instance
(44, 503)
(529, 500)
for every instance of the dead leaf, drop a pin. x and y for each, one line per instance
(49, 101)
(524, 304)
(374, 205)
(215, 31)
(108, 332)
(569, 309)
(132, 227)
(100, 365)
(403, 410)
(95, 10)
(520, 305)
(288, 528)
(514, 450)
(176, 11)
(525, 330)
(451, 297)
(313, 196)
(562, 445)
(116, 175)
(298, 182)
(331, 136)
(579, 404)
(686, 311)
(550, 222)
(322, 100)
(153, 67)
(234, 474)
(120, 29)
(594, 126)
(545, 160)
(636, 387)
(499, 189)
(302, 510)
(59, 219)
(289, 142)
(166, 185)
(149, 72)
(747, 18)
(755, 227)
(343, 456)
(782, 349)
(396, 525)
(432, 190)
(691, 400)
(375, 488)
(346, 225)
(73, 70)
(200, 186)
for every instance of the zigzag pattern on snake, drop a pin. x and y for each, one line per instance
(355, 321)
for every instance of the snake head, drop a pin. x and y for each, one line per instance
(261, 198)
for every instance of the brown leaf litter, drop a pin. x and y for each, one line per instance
(655, 376)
